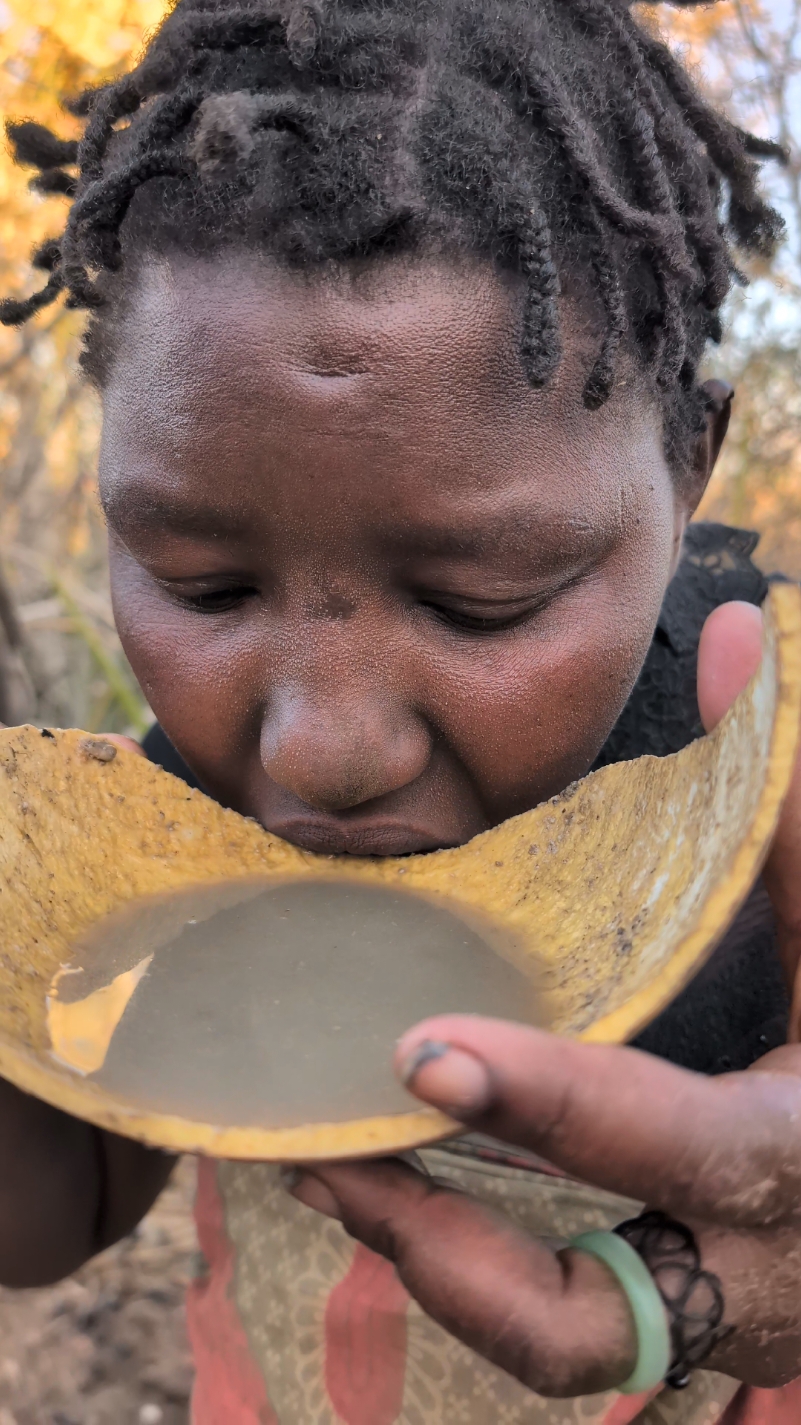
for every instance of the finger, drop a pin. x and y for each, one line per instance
(558, 1322)
(726, 1149)
(729, 653)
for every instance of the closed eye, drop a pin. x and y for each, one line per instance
(216, 601)
(482, 622)
(496, 616)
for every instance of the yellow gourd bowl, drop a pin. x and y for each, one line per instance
(621, 886)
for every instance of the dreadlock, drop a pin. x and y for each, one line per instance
(546, 135)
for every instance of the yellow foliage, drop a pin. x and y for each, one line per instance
(50, 49)
(745, 54)
(70, 667)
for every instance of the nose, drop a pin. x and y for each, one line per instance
(337, 751)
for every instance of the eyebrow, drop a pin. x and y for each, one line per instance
(157, 512)
(494, 533)
(556, 540)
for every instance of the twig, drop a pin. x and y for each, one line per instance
(8, 615)
(115, 677)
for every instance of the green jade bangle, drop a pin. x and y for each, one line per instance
(645, 1303)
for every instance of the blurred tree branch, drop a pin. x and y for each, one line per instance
(70, 669)
(748, 57)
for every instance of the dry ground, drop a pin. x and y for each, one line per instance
(107, 1346)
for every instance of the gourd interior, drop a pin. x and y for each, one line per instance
(588, 914)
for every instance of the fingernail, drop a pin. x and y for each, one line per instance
(311, 1192)
(426, 1052)
(447, 1077)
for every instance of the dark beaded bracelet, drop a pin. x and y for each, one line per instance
(693, 1297)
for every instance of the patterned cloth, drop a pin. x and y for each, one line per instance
(294, 1323)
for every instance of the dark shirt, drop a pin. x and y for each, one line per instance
(736, 1007)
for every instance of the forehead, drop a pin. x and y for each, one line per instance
(406, 370)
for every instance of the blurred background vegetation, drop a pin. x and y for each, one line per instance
(60, 661)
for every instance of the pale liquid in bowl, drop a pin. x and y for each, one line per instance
(273, 1005)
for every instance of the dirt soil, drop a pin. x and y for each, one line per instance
(107, 1346)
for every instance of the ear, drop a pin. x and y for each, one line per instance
(719, 396)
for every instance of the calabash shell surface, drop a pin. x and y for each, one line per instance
(621, 886)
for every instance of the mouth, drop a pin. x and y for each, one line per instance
(328, 837)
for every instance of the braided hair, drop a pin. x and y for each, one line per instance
(546, 135)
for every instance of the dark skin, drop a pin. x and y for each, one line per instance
(376, 547)
(382, 595)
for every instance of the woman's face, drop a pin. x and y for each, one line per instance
(380, 594)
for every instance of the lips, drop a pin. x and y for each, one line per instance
(332, 838)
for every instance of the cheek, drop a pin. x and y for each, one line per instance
(204, 683)
(528, 716)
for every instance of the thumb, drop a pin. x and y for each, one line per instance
(729, 653)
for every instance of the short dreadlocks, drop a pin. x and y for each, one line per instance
(542, 134)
